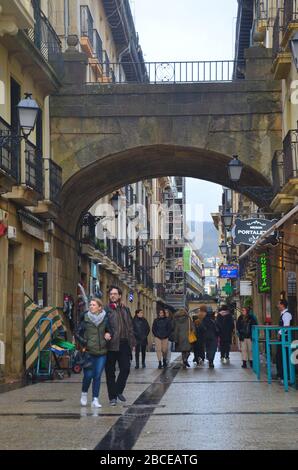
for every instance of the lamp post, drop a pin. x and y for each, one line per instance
(27, 114)
(115, 203)
(223, 248)
(227, 219)
(235, 168)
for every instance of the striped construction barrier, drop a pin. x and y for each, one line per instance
(33, 313)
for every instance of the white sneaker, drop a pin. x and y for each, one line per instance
(84, 398)
(95, 403)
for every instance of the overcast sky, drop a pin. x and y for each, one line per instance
(175, 30)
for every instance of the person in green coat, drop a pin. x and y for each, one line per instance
(93, 334)
(183, 325)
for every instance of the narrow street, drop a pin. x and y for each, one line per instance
(196, 408)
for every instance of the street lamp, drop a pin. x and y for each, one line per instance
(115, 203)
(227, 219)
(294, 49)
(27, 114)
(235, 168)
(223, 248)
(157, 258)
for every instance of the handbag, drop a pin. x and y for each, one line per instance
(192, 337)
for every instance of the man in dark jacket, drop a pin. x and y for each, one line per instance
(120, 347)
(225, 324)
(210, 329)
(141, 330)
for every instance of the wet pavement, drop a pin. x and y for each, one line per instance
(172, 409)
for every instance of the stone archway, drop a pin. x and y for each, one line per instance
(110, 172)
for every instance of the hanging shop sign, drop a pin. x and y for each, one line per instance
(248, 231)
(228, 289)
(264, 275)
(187, 259)
(229, 271)
(130, 296)
(246, 288)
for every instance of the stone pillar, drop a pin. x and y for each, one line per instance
(258, 63)
(75, 63)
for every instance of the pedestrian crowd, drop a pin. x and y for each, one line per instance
(109, 336)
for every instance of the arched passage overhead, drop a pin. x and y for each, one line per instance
(111, 172)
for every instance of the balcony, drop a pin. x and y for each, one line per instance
(87, 34)
(97, 57)
(9, 160)
(285, 173)
(36, 47)
(282, 59)
(30, 188)
(49, 207)
(290, 20)
(290, 146)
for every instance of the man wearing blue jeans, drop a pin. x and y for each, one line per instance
(120, 347)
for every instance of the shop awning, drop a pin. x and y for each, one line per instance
(269, 231)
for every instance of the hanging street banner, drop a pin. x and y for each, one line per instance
(187, 259)
(264, 273)
(248, 231)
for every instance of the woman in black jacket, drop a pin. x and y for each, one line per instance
(244, 329)
(141, 331)
(225, 323)
(161, 329)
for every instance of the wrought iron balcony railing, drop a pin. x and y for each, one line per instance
(172, 72)
(53, 174)
(278, 29)
(9, 153)
(290, 12)
(33, 168)
(45, 38)
(290, 147)
(97, 46)
(277, 166)
(87, 24)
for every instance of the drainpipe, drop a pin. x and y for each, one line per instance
(66, 19)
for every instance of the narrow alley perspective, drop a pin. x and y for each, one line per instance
(149, 229)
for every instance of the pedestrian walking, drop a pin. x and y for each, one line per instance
(210, 331)
(169, 315)
(183, 325)
(161, 330)
(93, 334)
(225, 324)
(285, 319)
(120, 347)
(141, 331)
(199, 345)
(244, 330)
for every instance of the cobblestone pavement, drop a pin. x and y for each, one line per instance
(181, 409)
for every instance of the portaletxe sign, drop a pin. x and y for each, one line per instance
(248, 231)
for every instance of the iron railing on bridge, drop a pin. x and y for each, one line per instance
(170, 72)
